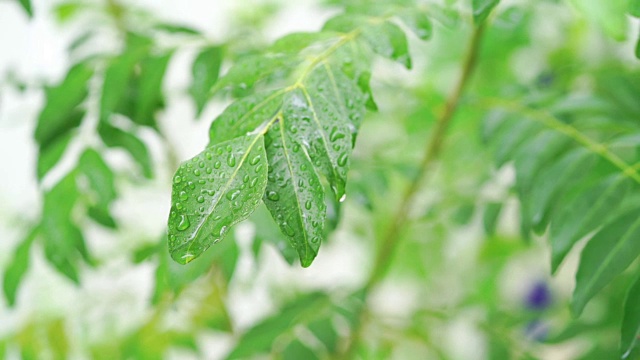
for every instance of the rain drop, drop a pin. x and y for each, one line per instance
(183, 195)
(307, 205)
(217, 165)
(177, 179)
(342, 160)
(200, 199)
(273, 196)
(255, 160)
(184, 223)
(231, 160)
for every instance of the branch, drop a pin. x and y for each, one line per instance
(392, 237)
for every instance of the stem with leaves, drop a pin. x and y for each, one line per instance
(393, 235)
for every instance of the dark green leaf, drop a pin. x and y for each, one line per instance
(149, 96)
(99, 175)
(634, 8)
(26, 5)
(631, 321)
(63, 241)
(583, 215)
(482, 9)
(61, 112)
(49, 156)
(606, 255)
(260, 338)
(100, 213)
(294, 194)
(116, 80)
(297, 350)
(115, 137)
(215, 190)
(326, 332)
(491, 216)
(18, 267)
(205, 71)
(176, 29)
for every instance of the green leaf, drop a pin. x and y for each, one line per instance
(638, 48)
(585, 213)
(149, 96)
(205, 71)
(100, 213)
(250, 70)
(176, 29)
(482, 9)
(634, 8)
(17, 267)
(213, 191)
(418, 22)
(49, 156)
(115, 137)
(99, 176)
(605, 256)
(294, 194)
(26, 5)
(296, 350)
(63, 241)
(61, 112)
(384, 38)
(490, 217)
(325, 331)
(260, 338)
(631, 321)
(116, 80)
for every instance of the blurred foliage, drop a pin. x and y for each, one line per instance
(540, 156)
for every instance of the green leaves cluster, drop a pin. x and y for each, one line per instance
(577, 178)
(289, 138)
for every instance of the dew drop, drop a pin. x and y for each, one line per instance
(201, 164)
(200, 199)
(196, 172)
(255, 160)
(184, 223)
(342, 160)
(315, 239)
(231, 160)
(232, 195)
(273, 196)
(245, 179)
(287, 229)
(303, 167)
(179, 206)
(307, 205)
(223, 230)
(209, 170)
(208, 155)
(343, 198)
(259, 168)
(177, 179)
(335, 134)
(191, 185)
(217, 165)
(296, 148)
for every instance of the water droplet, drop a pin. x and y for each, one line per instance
(201, 164)
(201, 182)
(343, 198)
(350, 104)
(231, 160)
(196, 172)
(315, 224)
(293, 129)
(315, 239)
(303, 167)
(188, 258)
(259, 168)
(208, 155)
(184, 223)
(273, 196)
(177, 179)
(217, 165)
(253, 182)
(209, 170)
(229, 148)
(296, 148)
(255, 160)
(335, 134)
(191, 185)
(173, 214)
(287, 229)
(183, 195)
(217, 217)
(219, 151)
(307, 205)
(179, 206)
(342, 160)
(223, 230)
(245, 179)
(232, 195)
(201, 208)
(200, 199)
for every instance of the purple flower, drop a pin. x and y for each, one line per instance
(538, 297)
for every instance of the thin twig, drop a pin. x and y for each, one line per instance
(393, 235)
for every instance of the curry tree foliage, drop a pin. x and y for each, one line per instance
(280, 154)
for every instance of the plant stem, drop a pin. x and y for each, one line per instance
(392, 237)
